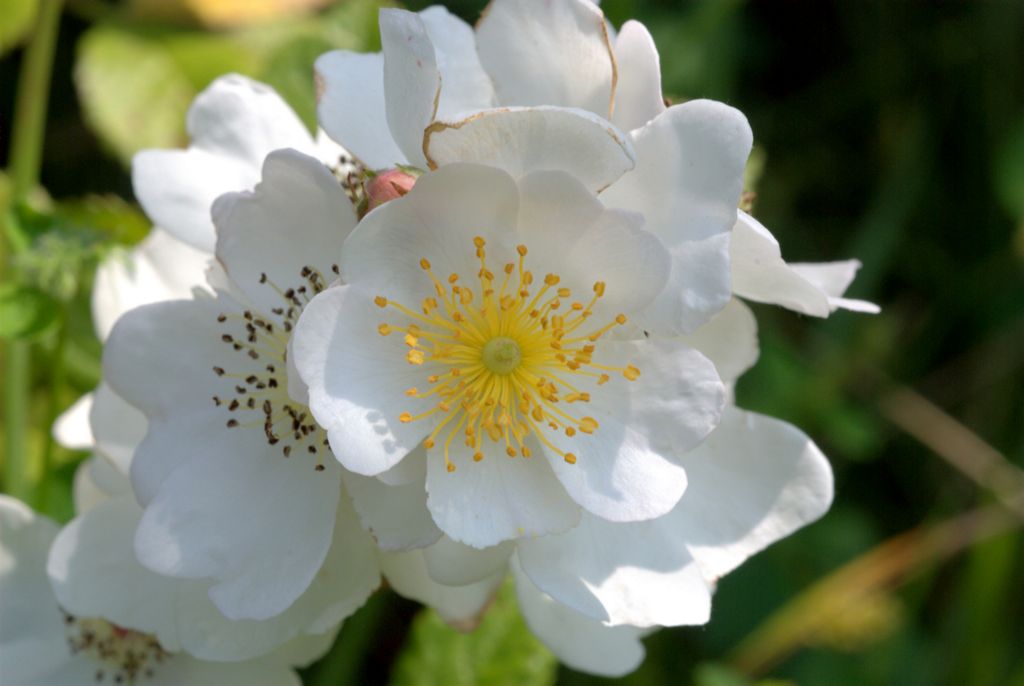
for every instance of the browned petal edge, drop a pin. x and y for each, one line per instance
(468, 624)
(611, 56)
(437, 126)
(319, 85)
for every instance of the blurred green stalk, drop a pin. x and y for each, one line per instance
(26, 154)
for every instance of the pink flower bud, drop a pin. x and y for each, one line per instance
(386, 186)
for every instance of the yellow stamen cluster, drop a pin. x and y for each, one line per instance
(501, 357)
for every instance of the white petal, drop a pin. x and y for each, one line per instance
(729, 340)
(357, 380)
(687, 183)
(689, 171)
(257, 523)
(350, 106)
(570, 233)
(554, 53)
(117, 426)
(580, 642)
(396, 516)
(834, 278)
(348, 576)
(524, 139)
(497, 499)
(755, 480)
(159, 268)
(233, 124)
(297, 217)
(96, 481)
(71, 429)
(460, 605)
(32, 641)
(455, 564)
(464, 83)
(94, 573)
(412, 82)
(437, 219)
(698, 287)
(638, 573)
(411, 469)
(182, 335)
(760, 274)
(625, 470)
(638, 97)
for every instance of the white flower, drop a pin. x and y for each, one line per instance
(488, 320)
(535, 88)
(234, 124)
(94, 570)
(754, 481)
(159, 268)
(47, 641)
(235, 476)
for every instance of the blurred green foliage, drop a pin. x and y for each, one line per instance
(890, 132)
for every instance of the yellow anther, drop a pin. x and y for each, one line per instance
(380, 301)
(570, 458)
(509, 268)
(412, 391)
(570, 432)
(424, 263)
(620, 319)
(479, 242)
(599, 289)
(564, 292)
(477, 456)
(510, 451)
(521, 249)
(551, 279)
(405, 417)
(588, 425)
(525, 451)
(411, 340)
(450, 467)
(384, 329)
(603, 379)
(414, 357)
(452, 278)
(631, 373)
(428, 443)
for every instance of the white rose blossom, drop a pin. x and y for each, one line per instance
(235, 476)
(486, 321)
(96, 628)
(234, 123)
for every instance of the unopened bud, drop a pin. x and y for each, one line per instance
(386, 186)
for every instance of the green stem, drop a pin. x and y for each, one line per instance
(57, 374)
(29, 124)
(31, 102)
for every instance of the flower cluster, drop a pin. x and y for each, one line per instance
(493, 334)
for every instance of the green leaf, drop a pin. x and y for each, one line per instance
(108, 215)
(499, 652)
(134, 95)
(1009, 176)
(25, 311)
(18, 18)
